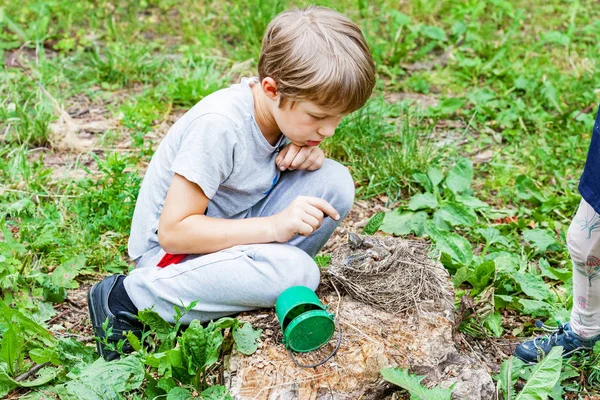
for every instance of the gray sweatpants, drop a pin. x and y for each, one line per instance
(250, 276)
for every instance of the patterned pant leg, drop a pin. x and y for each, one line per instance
(583, 240)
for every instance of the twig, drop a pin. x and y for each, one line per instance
(62, 314)
(32, 371)
(5, 189)
(584, 111)
(79, 338)
(362, 333)
(74, 304)
(337, 311)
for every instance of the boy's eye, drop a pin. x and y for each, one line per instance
(317, 118)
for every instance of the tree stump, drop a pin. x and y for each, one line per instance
(373, 339)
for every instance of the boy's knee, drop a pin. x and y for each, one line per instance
(296, 268)
(340, 186)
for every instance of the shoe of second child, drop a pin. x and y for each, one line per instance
(534, 350)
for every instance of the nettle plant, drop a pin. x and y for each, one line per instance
(167, 362)
(502, 273)
(184, 359)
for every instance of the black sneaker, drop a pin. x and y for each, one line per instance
(536, 349)
(121, 323)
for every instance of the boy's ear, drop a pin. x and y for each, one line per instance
(269, 87)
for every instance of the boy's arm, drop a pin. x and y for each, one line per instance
(184, 229)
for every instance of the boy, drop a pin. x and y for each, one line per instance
(236, 200)
(583, 240)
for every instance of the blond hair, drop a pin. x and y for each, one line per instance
(316, 54)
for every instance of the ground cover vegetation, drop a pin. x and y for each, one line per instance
(475, 138)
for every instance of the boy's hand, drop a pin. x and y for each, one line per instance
(303, 216)
(294, 157)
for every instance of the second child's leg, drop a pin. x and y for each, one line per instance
(583, 331)
(583, 239)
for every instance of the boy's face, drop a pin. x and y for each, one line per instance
(306, 124)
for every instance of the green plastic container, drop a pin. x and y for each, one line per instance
(305, 322)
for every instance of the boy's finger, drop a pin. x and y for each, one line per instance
(324, 206)
(315, 212)
(289, 157)
(281, 154)
(301, 157)
(308, 162)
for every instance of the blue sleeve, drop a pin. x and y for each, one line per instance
(589, 185)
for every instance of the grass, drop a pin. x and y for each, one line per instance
(516, 79)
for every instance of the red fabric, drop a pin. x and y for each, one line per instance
(169, 259)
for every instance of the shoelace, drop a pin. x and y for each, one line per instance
(554, 331)
(552, 337)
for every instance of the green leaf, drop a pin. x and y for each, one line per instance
(217, 392)
(44, 376)
(494, 323)
(424, 181)
(533, 285)
(435, 175)
(226, 322)
(214, 340)
(551, 94)
(493, 235)
(452, 244)
(541, 239)
(400, 18)
(510, 371)
(537, 308)
(596, 349)
(155, 322)
(461, 275)
(481, 276)
(26, 325)
(6, 382)
(124, 374)
(507, 264)
(166, 361)
(134, 341)
(246, 338)
(63, 276)
(47, 354)
(193, 343)
(460, 176)
(11, 349)
(433, 32)
(374, 224)
(528, 190)
(457, 215)
(422, 201)
(554, 273)
(412, 383)
(405, 223)
(471, 202)
(179, 393)
(543, 377)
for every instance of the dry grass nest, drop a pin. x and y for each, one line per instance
(392, 274)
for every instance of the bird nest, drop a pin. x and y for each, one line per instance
(392, 274)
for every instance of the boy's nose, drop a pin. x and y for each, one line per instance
(327, 130)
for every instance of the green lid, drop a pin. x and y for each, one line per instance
(309, 331)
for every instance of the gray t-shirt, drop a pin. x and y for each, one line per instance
(217, 145)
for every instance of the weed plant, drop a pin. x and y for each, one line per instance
(495, 194)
